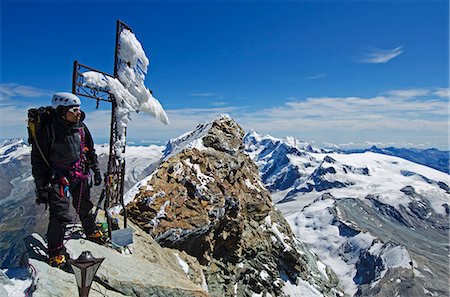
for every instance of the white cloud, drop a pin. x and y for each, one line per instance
(13, 122)
(366, 144)
(11, 90)
(317, 76)
(202, 94)
(151, 141)
(390, 118)
(356, 113)
(377, 56)
(384, 119)
(443, 93)
(144, 127)
(409, 93)
(218, 103)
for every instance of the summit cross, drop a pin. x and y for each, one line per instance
(114, 177)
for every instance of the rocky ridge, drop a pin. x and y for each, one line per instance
(206, 199)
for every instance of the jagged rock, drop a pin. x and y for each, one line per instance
(206, 199)
(426, 273)
(146, 247)
(119, 275)
(55, 282)
(396, 282)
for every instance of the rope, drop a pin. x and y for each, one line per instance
(79, 199)
(76, 170)
(29, 291)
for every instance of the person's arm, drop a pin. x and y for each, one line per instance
(40, 169)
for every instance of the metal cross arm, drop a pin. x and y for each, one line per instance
(79, 86)
(114, 183)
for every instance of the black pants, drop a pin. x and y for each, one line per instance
(60, 216)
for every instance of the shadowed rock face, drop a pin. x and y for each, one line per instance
(209, 202)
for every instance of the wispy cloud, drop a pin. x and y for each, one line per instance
(218, 103)
(357, 113)
(384, 118)
(397, 117)
(202, 94)
(317, 76)
(377, 56)
(12, 90)
(443, 93)
(409, 93)
(182, 120)
(13, 122)
(367, 143)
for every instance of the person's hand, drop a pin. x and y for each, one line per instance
(97, 178)
(42, 196)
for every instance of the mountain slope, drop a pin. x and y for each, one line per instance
(371, 217)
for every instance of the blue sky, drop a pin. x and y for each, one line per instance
(354, 73)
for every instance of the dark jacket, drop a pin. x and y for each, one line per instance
(60, 144)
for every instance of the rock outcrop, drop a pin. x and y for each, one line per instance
(206, 199)
(150, 271)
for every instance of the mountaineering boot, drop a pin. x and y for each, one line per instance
(60, 261)
(98, 237)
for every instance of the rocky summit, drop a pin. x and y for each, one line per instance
(206, 199)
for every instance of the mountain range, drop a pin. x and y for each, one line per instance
(374, 222)
(381, 222)
(431, 157)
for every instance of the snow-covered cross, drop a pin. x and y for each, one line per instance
(127, 93)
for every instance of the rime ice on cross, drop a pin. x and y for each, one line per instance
(127, 93)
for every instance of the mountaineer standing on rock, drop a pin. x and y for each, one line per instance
(61, 157)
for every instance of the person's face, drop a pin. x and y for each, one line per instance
(73, 115)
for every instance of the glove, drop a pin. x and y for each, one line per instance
(97, 178)
(42, 196)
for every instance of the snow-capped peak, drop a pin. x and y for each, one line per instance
(253, 137)
(11, 149)
(192, 139)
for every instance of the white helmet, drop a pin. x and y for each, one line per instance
(65, 99)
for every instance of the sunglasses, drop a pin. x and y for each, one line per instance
(75, 109)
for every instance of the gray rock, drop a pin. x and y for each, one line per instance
(119, 274)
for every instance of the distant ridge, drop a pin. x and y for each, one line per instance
(431, 157)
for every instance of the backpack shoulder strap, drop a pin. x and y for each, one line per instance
(36, 141)
(52, 135)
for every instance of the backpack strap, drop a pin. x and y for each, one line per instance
(40, 150)
(52, 136)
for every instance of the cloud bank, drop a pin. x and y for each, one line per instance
(415, 117)
(10, 91)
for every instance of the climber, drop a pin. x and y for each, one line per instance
(62, 156)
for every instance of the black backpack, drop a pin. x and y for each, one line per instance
(38, 118)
